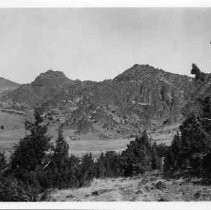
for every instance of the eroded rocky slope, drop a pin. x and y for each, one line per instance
(141, 97)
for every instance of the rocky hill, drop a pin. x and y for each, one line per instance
(6, 86)
(141, 97)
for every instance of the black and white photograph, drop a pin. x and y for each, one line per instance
(105, 104)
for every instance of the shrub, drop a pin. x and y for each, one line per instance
(12, 190)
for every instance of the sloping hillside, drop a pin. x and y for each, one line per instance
(6, 86)
(146, 187)
(139, 98)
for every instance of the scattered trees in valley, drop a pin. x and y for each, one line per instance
(37, 164)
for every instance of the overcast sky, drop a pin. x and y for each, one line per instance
(98, 44)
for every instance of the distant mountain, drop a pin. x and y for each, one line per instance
(141, 97)
(45, 87)
(7, 86)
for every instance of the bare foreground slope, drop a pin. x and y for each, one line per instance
(146, 187)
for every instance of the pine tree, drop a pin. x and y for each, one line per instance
(205, 116)
(61, 149)
(172, 161)
(3, 163)
(199, 76)
(188, 149)
(86, 170)
(108, 165)
(156, 158)
(32, 148)
(137, 158)
(100, 169)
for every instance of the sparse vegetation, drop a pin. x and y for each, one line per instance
(31, 149)
(50, 166)
(145, 187)
(38, 165)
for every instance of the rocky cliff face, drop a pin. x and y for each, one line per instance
(141, 97)
(153, 92)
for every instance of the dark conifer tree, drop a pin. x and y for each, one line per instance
(86, 171)
(137, 157)
(188, 149)
(172, 156)
(3, 163)
(156, 158)
(61, 148)
(30, 151)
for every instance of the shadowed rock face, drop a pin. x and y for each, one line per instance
(140, 97)
(154, 93)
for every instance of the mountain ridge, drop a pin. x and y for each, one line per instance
(141, 97)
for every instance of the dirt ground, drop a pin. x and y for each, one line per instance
(146, 187)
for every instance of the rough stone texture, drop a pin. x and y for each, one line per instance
(141, 97)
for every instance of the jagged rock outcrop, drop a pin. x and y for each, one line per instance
(140, 97)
